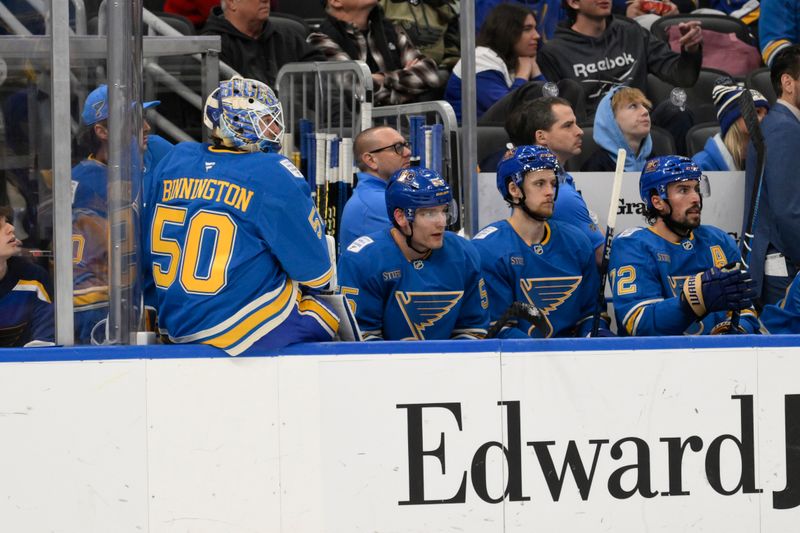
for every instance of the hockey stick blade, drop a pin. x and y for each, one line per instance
(750, 116)
(611, 221)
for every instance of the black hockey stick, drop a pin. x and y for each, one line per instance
(516, 310)
(754, 129)
(610, 223)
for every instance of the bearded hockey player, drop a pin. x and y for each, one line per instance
(532, 259)
(415, 281)
(232, 234)
(677, 276)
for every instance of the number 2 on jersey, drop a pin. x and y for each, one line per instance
(205, 229)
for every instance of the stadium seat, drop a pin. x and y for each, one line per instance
(177, 22)
(698, 97)
(312, 11)
(718, 23)
(728, 43)
(698, 135)
(760, 81)
(663, 144)
(491, 140)
(288, 19)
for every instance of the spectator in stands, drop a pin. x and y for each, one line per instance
(379, 153)
(432, 26)
(26, 308)
(622, 121)
(727, 149)
(415, 280)
(197, 11)
(252, 44)
(550, 122)
(601, 51)
(778, 27)
(776, 242)
(548, 14)
(358, 29)
(784, 317)
(505, 58)
(530, 258)
(90, 211)
(677, 276)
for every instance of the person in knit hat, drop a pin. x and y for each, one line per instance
(727, 149)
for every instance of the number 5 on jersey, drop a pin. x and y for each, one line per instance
(203, 256)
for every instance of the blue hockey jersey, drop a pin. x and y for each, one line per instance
(26, 308)
(439, 297)
(785, 316)
(90, 235)
(558, 276)
(230, 236)
(647, 273)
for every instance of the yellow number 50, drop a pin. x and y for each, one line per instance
(205, 229)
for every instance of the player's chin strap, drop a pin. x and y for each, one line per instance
(681, 230)
(527, 210)
(408, 238)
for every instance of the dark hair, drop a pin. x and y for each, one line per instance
(502, 29)
(651, 214)
(533, 115)
(6, 213)
(88, 139)
(787, 61)
(572, 14)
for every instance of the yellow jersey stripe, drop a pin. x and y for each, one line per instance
(245, 327)
(33, 286)
(320, 281)
(310, 305)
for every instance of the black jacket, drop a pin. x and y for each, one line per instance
(623, 55)
(260, 58)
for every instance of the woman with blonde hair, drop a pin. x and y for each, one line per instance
(727, 150)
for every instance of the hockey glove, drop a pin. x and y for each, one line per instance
(726, 289)
(724, 328)
(602, 331)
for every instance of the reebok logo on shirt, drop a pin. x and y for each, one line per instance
(585, 70)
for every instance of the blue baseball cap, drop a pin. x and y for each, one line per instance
(96, 107)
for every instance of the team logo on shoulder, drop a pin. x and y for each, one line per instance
(423, 309)
(288, 165)
(209, 165)
(687, 245)
(485, 232)
(358, 244)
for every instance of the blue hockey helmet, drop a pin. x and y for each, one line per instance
(521, 160)
(245, 114)
(412, 188)
(661, 171)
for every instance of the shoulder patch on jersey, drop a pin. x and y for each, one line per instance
(288, 165)
(628, 232)
(358, 244)
(485, 232)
